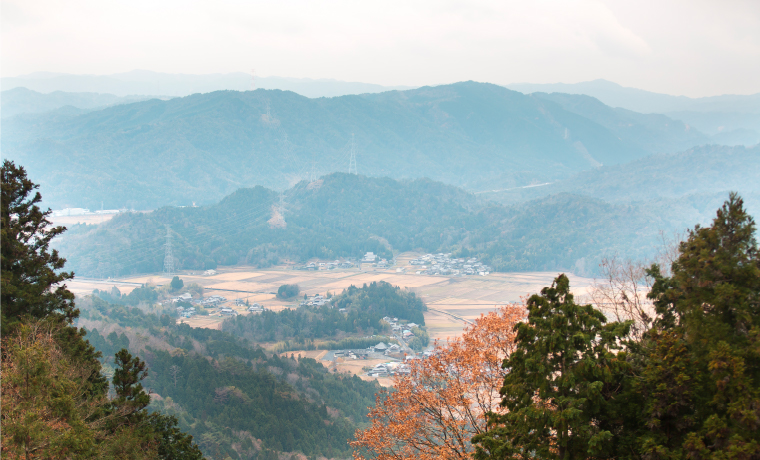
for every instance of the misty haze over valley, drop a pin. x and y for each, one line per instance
(456, 230)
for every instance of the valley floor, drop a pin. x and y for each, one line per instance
(452, 302)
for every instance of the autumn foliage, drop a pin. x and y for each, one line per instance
(433, 412)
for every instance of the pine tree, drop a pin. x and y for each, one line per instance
(173, 444)
(130, 399)
(559, 382)
(701, 382)
(31, 272)
(177, 283)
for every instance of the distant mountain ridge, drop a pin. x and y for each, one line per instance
(201, 147)
(729, 119)
(141, 82)
(25, 101)
(643, 101)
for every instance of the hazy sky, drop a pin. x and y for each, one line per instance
(691, 47)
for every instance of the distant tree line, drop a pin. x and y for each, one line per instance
(365, 308)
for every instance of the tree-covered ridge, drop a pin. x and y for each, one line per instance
(343, 215)
(364, 308)
(381, 299)
(231, 395)
(347, 215)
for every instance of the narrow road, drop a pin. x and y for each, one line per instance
(457, 317)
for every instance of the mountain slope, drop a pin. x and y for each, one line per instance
(237, 400)
(202, 147)
(340, 215)
(652, 132)
(706, 170)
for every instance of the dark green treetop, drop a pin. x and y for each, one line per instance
(130, 396)
(286, 291)
(173, 444)
(702, 375)
(31, 272)
(566, 367)
(176, 283)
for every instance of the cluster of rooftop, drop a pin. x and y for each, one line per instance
(388, 369)
(404, 329)
(316, 301)
(312, 266)
(371, 258)
(209, 302)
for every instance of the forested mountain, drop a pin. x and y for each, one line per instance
(202, 147)
(233, 397)
(346, 215)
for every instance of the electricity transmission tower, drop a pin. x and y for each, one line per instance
(313, 174)
(169, 256)
(352, 160)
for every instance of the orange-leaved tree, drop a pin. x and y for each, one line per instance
(434, 411)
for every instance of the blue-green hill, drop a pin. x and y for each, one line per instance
(202, 147)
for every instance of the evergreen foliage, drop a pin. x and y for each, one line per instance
(704, 356)
(688, 389)
(287, 291)
(176, 283)
(31, 272)
(565, 370)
